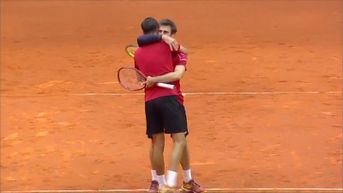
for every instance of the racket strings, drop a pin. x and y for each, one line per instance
(131, 79)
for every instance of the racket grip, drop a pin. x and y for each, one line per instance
(165, 85)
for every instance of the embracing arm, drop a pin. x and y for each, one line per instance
(174, 45)
(147, 39)
(169, 77)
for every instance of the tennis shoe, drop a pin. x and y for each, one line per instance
(192, 187)
(153, 187)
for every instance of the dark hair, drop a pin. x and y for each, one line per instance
(150, 25)
(168, 22)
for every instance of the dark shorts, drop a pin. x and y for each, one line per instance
(165, 114)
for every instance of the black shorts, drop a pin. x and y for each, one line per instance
(165, 114)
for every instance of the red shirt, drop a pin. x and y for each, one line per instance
(154, 60)
(179, 58)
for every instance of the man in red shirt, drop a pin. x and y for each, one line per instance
(167, 32)
(164, 112)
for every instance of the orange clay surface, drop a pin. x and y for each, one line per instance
(278, 124)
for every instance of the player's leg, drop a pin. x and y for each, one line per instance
(189, 185)
(185, 164)
(157, 162)
(156, 155)
(156, 180)
(185, 159)
(174, 124)
(179, 143)
(156, 133)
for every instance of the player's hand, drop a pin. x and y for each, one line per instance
(173, 45)
(150, 82)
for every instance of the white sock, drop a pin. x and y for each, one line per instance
(154, 175)
(187, 175)
(171, 178)
(161, 179)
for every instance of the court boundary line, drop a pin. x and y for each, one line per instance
(241, 190)
(210, 93)
(214, 93)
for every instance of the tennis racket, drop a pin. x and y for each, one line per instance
(130, 50)
(132, 79)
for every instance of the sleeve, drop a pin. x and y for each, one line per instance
(180, 59)
(148, 39)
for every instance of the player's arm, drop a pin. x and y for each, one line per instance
(169, 77)
(147, 39)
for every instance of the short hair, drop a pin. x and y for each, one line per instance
(150, 25)
(170, 23)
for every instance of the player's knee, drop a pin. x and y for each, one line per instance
(158, 145)
(181, 144)
(180, 141)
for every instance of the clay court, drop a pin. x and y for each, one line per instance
(263, 94)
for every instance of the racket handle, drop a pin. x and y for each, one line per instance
(165, 85)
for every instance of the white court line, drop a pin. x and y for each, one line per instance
(214, 93)
(246, 93)
(111, 82)
(241, 190)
